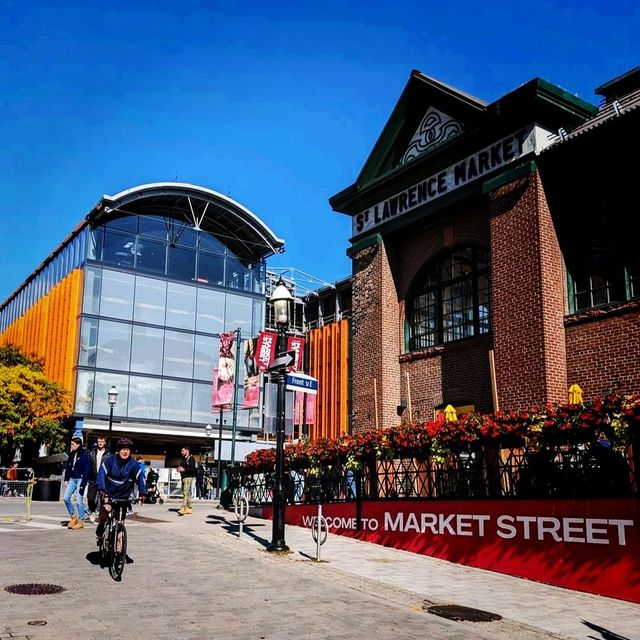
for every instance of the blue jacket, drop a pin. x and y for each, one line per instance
(78, 467)
(117, 477)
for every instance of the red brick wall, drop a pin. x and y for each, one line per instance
(536, 358)
(602, 351)
(382, 278)
(410, 249)
(375, 347)
(528, 297)
(456, 373)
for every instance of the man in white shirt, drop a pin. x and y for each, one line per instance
(97, 456)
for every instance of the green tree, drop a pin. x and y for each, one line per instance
(32, 407)
(11, 356)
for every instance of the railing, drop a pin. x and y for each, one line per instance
(564, 471)
(16, 488)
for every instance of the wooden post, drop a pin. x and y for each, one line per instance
(409, 409)
(375, 400)
(494, 384)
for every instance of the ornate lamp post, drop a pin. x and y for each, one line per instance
(219, 466)
(112, 398)
(281, 299)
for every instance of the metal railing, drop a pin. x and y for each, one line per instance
(16, 489)
(564, 471)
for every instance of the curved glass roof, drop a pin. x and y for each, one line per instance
(237, 227)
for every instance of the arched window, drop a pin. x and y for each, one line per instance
(450, 299)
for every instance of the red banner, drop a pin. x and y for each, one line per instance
(310, 408)
(266, 349)
(296, 345)
(222, 394)
(587, 545)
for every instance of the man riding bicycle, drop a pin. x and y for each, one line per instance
(116, 478)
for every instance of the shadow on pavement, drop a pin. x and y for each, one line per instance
(233, 528)
(94, 558)
(605, 634)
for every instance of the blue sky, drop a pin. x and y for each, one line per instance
(275, 104)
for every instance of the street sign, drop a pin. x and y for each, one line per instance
(302, 382)
(283, 360)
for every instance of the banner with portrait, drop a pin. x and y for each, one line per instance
(224, 377)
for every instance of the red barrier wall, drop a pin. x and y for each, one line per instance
(587, 545)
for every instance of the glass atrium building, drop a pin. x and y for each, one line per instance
(136, 297)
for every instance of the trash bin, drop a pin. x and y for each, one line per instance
(46, 490)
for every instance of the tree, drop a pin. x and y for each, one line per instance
(32, 407)
(11, 356)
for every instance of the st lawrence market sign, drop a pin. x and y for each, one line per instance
(482, 163)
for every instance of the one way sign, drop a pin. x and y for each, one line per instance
(283, 360)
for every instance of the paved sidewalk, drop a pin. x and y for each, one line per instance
(193, 578)
(561, 611)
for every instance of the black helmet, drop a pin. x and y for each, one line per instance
(124, 443)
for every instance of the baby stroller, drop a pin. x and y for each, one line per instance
(153, 493)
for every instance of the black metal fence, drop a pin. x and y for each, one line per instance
(564, 471)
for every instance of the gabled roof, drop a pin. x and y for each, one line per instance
(420, 93)
(389, 168)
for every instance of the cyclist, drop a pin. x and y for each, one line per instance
(117, 476)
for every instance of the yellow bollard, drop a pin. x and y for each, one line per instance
(575, 394)
(450, 413)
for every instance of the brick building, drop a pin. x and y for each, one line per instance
(493, 251)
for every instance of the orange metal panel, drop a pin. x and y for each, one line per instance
(49, 329)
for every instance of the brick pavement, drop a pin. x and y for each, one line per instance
(193, 578)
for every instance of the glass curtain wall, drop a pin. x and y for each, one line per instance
(156, 296)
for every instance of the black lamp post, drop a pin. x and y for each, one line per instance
(219, 467)
(281, 299)
(112, 397)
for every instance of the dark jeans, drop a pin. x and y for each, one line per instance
(92, 495)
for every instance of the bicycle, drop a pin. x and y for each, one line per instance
(113, 542)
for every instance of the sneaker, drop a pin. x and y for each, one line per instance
(78, 525)
(72, 521)
(181, 511)
(92, 517)
(188, 511)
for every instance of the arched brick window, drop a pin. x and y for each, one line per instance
(450, 298)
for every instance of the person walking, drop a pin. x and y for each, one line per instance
(187, 470)
(201, 485)
(97, 456)
(76, 474)
(11, 476)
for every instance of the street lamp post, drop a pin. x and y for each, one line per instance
(281, 300)
(112, 398)
(219, 468)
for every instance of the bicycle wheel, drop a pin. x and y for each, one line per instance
(119, 552)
